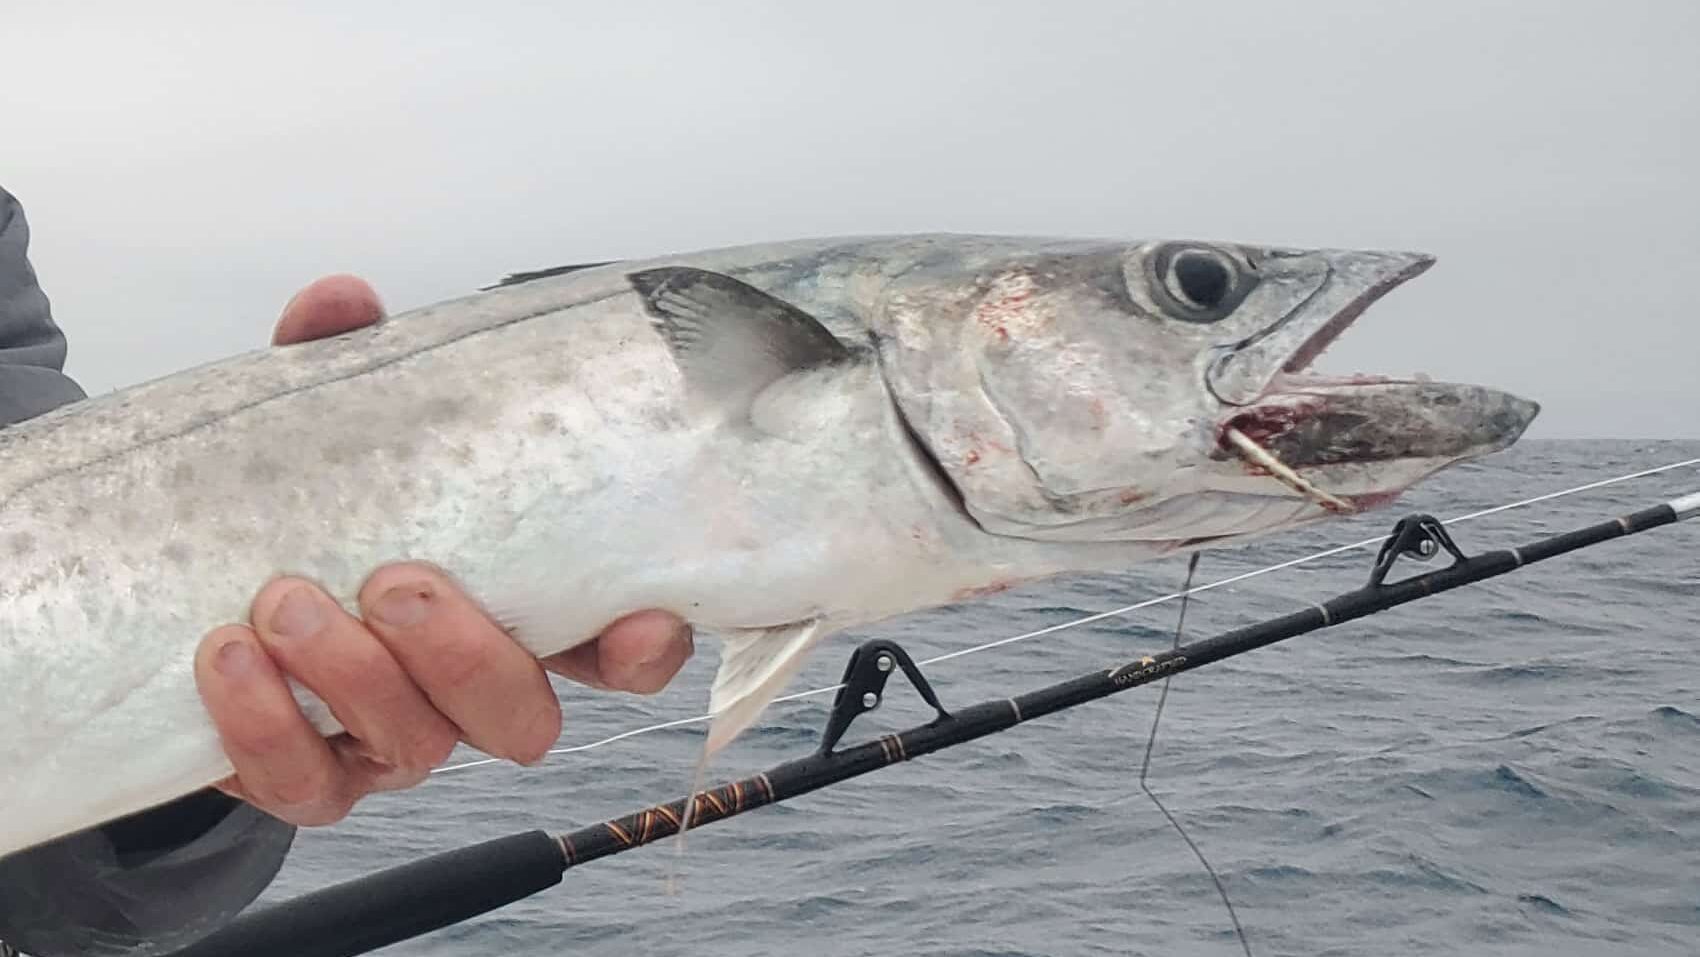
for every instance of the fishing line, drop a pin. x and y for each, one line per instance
(1145, 766)
(1101, 616)
(1257, 455)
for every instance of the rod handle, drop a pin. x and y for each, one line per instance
(394, 905)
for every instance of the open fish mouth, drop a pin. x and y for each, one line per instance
(1365, 439)
(1355, 441)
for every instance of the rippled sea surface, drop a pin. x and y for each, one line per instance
(1512, 768)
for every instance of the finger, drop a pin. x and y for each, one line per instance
(472, 671)
(283, 765)
(330, 651)
(372, 774)
(365, 773)
(580, 663)
(327, 307)
(640, 653)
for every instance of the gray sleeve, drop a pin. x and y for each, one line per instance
(156, 880)
(151, 883)
(32, 349)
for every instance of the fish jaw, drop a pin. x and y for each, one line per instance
(1367, 439)
(1362, 440)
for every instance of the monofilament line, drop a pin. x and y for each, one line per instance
(1145, 767)
(1113, 613)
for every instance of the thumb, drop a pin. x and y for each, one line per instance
(328, 307)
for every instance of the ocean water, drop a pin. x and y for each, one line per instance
(1512, 768)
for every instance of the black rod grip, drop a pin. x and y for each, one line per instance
(394, 905)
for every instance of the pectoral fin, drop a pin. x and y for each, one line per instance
(754, 667)
(730, 339)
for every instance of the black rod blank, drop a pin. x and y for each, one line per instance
(397, 904)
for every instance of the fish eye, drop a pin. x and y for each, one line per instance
(1198, 283)
(1199, 279)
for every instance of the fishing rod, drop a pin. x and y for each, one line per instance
(404, 902)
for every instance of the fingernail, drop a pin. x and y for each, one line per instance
(235, 660)
(403, 606)
(298, 615)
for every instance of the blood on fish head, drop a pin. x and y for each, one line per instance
(1081, 391)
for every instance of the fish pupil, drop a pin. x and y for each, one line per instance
(1203, 280)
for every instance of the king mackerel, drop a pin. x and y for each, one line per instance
(776, 442)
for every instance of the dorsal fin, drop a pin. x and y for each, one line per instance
(515, 278)
(730, 339)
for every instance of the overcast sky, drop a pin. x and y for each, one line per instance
(186, 167)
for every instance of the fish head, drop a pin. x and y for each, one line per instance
(1161, 391)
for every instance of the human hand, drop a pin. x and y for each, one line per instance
(420, 669)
